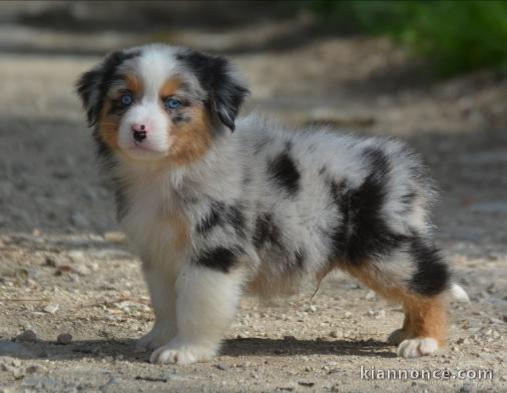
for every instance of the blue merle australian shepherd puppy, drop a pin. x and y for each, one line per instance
(218, 205)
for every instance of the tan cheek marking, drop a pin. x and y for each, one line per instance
(109, 122)
(190, 140)
(108, 126)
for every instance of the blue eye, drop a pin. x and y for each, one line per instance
(172, 103)
(126, 99)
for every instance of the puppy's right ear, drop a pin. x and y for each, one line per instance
(88, 89)
(93, 85)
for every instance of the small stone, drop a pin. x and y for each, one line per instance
(336, 334)
(18, 373)
(50, 262)
(32, 369)
(78, 219)
(114, 237)
(335, 388)
(52, 308)
(347, 314)
(370, 295)
(64, 338)
(377, 314)
(82, 270)
(27, 336)
(311, 308)
(76, 255)
(495, 320)
(219, 366)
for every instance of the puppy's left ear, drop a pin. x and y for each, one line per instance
(216, 75)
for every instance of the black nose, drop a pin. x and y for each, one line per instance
(139, 136)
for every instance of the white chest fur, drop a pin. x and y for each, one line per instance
(155, 225)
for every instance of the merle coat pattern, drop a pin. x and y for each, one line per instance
(214, 213)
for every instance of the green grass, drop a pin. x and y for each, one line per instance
(455, 35)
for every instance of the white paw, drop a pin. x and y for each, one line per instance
(182, 354)
(158, 336)
(416, 347)
(397, 336)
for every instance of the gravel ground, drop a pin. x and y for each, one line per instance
(72, 300)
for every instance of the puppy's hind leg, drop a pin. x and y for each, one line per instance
(419, 284)
(207, 299)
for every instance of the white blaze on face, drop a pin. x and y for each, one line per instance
(154, 67)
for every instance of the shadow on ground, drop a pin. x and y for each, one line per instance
(125, 349)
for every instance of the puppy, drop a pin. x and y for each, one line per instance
(214, 213)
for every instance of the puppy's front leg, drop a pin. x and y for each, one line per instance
(163, 299)
(206, 302)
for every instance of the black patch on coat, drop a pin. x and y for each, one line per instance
(219, 258)
(284, 173)
(212, 219)
(236, 219)
(221, 214)
(122, 204)
(432, 275)
(225, 93)
(99, 80)
(266, 232)
(363, 233)
(299, 258)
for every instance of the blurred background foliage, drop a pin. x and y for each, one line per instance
(454, 35)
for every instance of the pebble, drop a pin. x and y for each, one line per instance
(64, 338)
(78, 219)
(377, 314)
(495, 320)
(311, 308)
(462, 341)
(370, 295)
(336, 334)
(32, 369)
(114, 237)
(27, 336)
(50, 262)
(82, 270)
(52, 308)
(347, 314)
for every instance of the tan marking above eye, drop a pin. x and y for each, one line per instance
(169, 87)
(133, 84)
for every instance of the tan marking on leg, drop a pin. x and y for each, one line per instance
(424, 316)
(427, 317)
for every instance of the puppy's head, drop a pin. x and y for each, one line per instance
(160, 102)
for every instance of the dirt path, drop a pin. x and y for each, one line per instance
(64, 268)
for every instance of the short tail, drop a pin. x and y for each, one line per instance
(458, 293)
